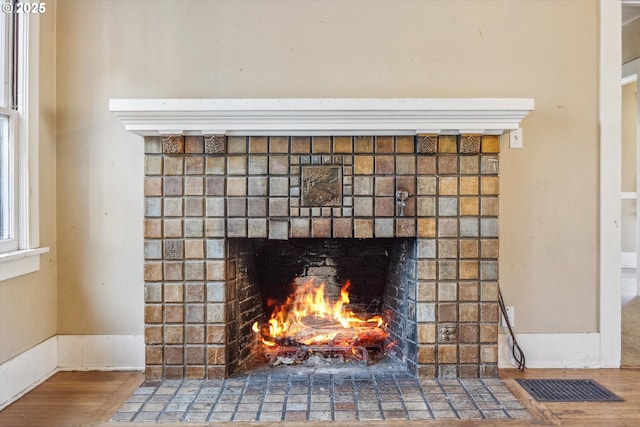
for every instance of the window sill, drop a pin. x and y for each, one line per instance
(18, 263)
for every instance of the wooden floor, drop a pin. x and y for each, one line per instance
(91, 398)
(630, 330)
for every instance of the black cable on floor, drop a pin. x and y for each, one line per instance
(516, 351)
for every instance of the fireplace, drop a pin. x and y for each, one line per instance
(246, 198)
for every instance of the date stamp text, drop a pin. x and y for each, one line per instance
(23, 7)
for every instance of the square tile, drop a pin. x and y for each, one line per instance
(489, 206)
(384, 165)
(237, 165)
(363, 228)
(490, 144)
(278, 186)
(279, 165)
(426, 185)
(236, 186)
(153, 165)
(448, 206)
(321, 227)
(489, 165)
(448, 186)
(448, 144)
(426, 165)
(448, 165)
(489, 185)
(300, 227)
(236, 227)
(468, 248)
(321, 145)
(426, 227)
(447, 227)
(384, 206)
(447, 269)
(236, 144)
(469, 227)
(405, 227)
(193, 144)
(469, 206)
(405, 165)
(278, 229)
(489, 248)
(363, 206)
(469, 165)
(364, 144)
(363, 165)
(426, 206)
(489, 227)
(405, 144)
(278, 206)
(279, 144)
(342, 228)
(384, 227)
(363, 185)
(384, 186)
(342, 144)
(300, 145)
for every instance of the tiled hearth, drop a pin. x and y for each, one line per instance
(222, 177)
(321, 397)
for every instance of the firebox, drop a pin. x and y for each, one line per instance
(326, 302)
(250, 203)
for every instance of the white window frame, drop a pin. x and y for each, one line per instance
(23, 256)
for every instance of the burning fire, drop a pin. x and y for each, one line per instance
(309, 318)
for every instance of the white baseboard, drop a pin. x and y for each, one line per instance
(629, 260)
(100, 352)
(24, 372)
(562, 350)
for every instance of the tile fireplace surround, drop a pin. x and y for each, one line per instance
(222, 176)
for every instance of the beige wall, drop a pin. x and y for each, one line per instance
(629, 159)
(217, 49)
(28, 306)
(631, 41)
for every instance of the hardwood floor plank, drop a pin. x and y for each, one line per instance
(72, 399)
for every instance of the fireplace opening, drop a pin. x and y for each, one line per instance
(320, 303)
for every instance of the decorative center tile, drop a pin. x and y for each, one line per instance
(321, 186)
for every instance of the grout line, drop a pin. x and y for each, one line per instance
(213, 404)
(496, 400)
(355, 398)
(164, 410)
(472, 397)
(425, 398)
(309, 396)
(375, 384)
(395, 380)
(265, 391)
(145, 402)
(242, 394)
(332, 386)
(446, 395)
(187, 412)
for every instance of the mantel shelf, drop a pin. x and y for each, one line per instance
(321, 116)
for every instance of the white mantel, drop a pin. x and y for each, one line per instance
(321, 116)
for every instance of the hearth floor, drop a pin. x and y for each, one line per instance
(320, 397)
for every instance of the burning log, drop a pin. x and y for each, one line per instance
(308, 324)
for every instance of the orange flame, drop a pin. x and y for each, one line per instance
(307, 310)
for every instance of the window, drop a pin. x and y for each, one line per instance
(8, 158)
(19, 240)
